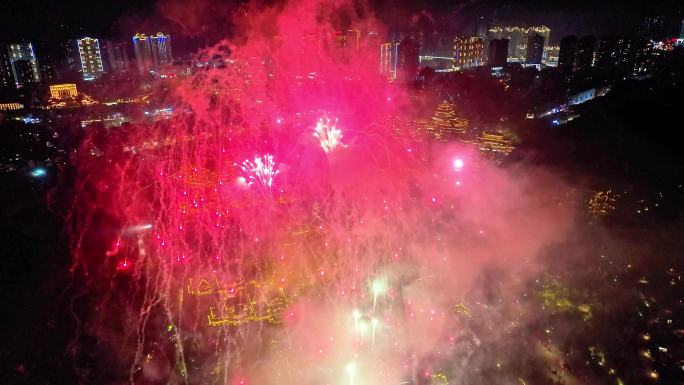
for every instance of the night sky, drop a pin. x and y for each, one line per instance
(44, 21)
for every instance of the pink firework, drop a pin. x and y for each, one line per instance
(353, 271)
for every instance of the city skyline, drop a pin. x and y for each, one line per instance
(92, 57)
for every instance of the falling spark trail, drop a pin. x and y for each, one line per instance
(356, 315)
(378, 287)
(374, 321)
(351, 371)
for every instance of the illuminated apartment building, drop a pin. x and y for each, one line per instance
(517, 49)
(11, 106)
(6, 74)
(90, 57)
(389, 55)
(152, 52)
(468, 52)
(24, 64)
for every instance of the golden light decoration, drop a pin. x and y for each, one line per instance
(241, 302)
(495, 145)
(445, 123)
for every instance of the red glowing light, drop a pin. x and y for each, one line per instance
(224, 214)
(123, 265)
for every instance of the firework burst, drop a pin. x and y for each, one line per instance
(260, 172)
(328, 134)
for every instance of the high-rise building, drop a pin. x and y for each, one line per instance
(117, 56)
(617, 54)
(604, 53)
(352, 39)
(152, 52)
(90, 58)
(408, 62)
(143, 52)
(646, 57)
(567, 57)
(585, 53)
(24, 64)
(48, 71)
(550, 56)
(161, 49)
(23, 73)
(70, 65)
(498, 52)
(73, 58)
(517, 48)
(389, 53)
(652, 28)
(535, 49)
(6, 74)
(468, 52)
(416, 38)
(481, 27)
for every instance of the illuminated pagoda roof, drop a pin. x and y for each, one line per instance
(446, 123)
(495, 144)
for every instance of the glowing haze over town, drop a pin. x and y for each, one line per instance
(338, 192)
